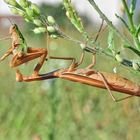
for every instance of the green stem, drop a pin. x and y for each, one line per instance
(131, 24)
(92, 2)
(130, 17)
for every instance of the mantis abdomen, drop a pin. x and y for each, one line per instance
(93, 78)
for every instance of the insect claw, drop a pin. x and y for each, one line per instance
(19, 77)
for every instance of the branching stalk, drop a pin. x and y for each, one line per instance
(103, 16)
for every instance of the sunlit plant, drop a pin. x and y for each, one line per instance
(47, 24)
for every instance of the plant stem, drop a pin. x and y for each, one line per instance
(130, 17)
(132, 26)
(103, 16)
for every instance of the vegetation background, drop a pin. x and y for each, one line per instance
(59, 109)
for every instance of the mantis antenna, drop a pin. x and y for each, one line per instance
(6, 38)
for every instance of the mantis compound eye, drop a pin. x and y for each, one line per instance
(12, 28)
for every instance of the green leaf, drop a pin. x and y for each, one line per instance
(133, 49)
(111, 45)
(123, 21)
(133, 6)
(73, 16)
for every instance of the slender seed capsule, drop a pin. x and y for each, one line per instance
(11, 2)
(6, 1)
(53, 36)
(13, 10)
(42, 29)
(30, 12)
(24, 3)
(135, 65)
(21, 13)
(51, 29)
(39, 30)
(27, 20)
(68, 14)
(51, 20)
(83, 46)
(35, 8)
(37, 22)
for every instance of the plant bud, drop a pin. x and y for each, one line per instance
(35, 8)
(51, 29)
(37, 22)
(118, 58)
(27, 18)
(11, 2)
(42, 29)
(135, 65)
(68, 14)
(24, 3)
(30, 12)
(51, 20)
(13, 10)
(83, 46)
(39, 30)
(6, 1)
(53, 36)
(21, 13)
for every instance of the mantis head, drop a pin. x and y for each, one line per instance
(13, 28)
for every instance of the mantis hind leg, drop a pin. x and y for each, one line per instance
(110, 92)
(92, 63)
(73, 63)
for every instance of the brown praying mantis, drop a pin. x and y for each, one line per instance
(22, 54)
(91, 77)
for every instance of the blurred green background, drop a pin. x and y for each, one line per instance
(59, 109)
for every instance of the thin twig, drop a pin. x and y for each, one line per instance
(103, 16)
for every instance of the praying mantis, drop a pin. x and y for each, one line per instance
(90, 77)
(22, 54)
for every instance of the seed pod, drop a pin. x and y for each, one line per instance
(83, 46)
(68, 14)
(30, 12)
(21, 13)
(53, 36)
(51, 20)
(11, 2)
(13, 10)
(51, 29)
(135, 65)
(37, 22)
(6, 1)
(35, 9)
(24, 3)
(118, 58)
(27, 18)
(42, 29)
(39, 30)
